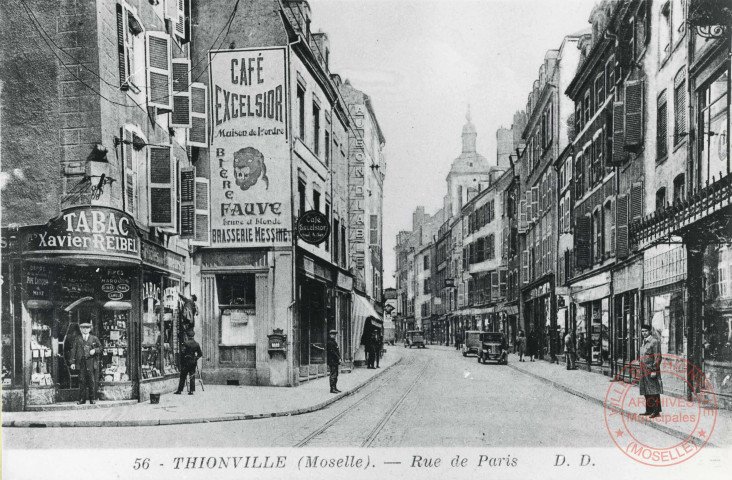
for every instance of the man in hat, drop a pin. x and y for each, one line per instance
(333, 357)
(650, 383)
(85, 354)
(188, 363)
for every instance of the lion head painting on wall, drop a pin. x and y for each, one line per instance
(248, 167)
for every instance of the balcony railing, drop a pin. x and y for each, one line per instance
(671, 220)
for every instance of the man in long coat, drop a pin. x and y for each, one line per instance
(650, 383)
(333, 357)
(85, 354)
(188, 364)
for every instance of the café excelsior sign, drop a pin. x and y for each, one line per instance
(313, 227)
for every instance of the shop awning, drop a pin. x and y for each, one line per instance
(362, 310)
(511, 309)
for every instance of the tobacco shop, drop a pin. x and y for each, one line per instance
(87, 265)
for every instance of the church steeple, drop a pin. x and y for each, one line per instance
(469, 134)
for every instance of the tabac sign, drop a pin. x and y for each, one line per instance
(250, 154)
(86, 230)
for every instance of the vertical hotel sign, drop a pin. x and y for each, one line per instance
(250, 154)
(356, 199)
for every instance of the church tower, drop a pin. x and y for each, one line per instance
(470, 172)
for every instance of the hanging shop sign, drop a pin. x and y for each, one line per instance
(250, 161)
(86, 230)
(313, 227)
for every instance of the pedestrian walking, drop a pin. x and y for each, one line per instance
(457, 340)
(188, 364)
(379, 348)
(333, 357)
(532, 345)
(86, 352)
(650, 383)
(521, 345)
(569, 351)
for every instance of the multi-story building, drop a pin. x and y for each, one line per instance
(91, 226)
(189, 140)
(545, 136)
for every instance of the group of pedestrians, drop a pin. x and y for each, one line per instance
(528, 346)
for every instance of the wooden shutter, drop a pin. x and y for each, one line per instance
(634, 114)
(636, 201)
(618, 154)
(180, 22)
(522, 216)
(525, 266)
(121, 53)
(187, 202)
(198, 134)
(582, 242)
(161, 187)
(503, 281)
(621, 226)
(534, 203)
(130, 175)
(203, 213)
(159, 84)
(181, 116)
(495, 286)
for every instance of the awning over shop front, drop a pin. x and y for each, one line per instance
(363, 310)
(511, 309)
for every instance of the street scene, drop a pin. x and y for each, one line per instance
(491, 228)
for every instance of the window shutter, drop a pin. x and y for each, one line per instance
(534, 203)
(495, 286)
(203, 213)
(525, 266)
(180, 22)
(121, 55)
(567, 212)
(503, 283)
(636, 201)
(159, 85)
(522, 216)
(621, 226)
(634, 114)
(582, 245)
(181, 116)
(130, 169)
(187, 202)
(618, 154)
(679, 108)
(161, 187)
(198, 134)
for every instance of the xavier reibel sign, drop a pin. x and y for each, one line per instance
(250, 153)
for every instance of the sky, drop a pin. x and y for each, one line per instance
(423, 62)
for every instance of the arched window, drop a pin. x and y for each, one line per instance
(661, 198)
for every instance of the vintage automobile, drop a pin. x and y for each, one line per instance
(471, 342)
(493, 346)
(414, 338)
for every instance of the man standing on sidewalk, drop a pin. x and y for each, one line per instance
(569, 351)
(86, 352)
(191, 353)
(333, 357)
(650, 382)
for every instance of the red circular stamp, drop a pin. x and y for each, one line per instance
(633, 417)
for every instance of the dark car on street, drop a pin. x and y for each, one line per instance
(414, 338)
(493, 346)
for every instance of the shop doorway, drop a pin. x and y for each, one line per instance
(67, 331)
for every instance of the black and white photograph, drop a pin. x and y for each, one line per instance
(366, 239)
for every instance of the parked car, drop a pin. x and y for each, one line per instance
(493, 346)
(414, 338)
(471, 342)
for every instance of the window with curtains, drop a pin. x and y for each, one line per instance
(713, 130)
(662, 128)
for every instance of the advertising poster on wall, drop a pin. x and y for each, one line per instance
(250, 162)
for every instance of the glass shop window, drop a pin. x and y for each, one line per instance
(160, 316)
(12, 342)
(113, 335)
(717, 332)
(237, 305)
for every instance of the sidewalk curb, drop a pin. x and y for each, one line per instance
(182, 421)
(577, 393)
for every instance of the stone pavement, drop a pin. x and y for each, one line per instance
(217, 403)
(594, 388)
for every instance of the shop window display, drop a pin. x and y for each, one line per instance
(160, 348)
(40, 344)
(150, 331)
(717, 334)
(113, 335)
(236, 295)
